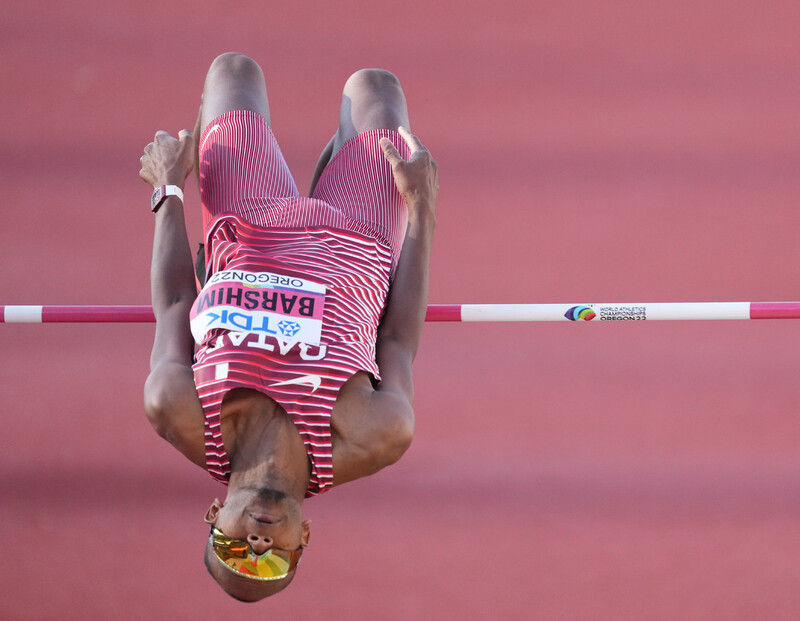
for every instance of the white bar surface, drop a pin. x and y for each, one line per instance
(634, 311)
(22, 314)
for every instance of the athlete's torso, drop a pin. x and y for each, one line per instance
(292, 314)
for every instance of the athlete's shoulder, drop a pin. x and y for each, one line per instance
(174, 410)
(370, 430)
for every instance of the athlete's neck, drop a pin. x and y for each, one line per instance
(263, 445)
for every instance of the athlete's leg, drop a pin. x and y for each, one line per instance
(233, 82)
(353, 175)
(240, 167)
(372, 99)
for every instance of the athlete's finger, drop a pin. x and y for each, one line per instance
(390, 152)
(186, 138)
(412, 141)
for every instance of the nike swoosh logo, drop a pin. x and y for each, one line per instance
(304, 380)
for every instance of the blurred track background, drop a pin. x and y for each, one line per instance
(589, 152)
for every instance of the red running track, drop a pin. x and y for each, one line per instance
(613, 150)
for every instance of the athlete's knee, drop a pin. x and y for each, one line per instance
(376, 81)
(234, 82)
(372, 99)
(235, 65)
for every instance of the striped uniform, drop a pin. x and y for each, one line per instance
(347, 238)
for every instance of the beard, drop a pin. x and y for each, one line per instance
(269, 495)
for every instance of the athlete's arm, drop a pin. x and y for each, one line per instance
(404, 316)
(171, 401)
(378, 427)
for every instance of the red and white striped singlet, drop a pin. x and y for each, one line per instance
(262, 239)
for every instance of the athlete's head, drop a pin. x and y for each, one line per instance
(257, 538)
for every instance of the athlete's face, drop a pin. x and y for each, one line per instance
(263, 517)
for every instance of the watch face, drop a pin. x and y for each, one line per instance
(156, 197)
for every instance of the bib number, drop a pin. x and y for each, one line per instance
(285, 307)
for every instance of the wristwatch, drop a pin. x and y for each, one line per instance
(161, 193)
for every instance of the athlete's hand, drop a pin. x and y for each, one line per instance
(417, 179)
(166, 160)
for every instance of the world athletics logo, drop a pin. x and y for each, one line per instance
(580, 313)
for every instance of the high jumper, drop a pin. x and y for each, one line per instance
(290, 372)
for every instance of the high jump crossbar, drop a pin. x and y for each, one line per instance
(681, 311)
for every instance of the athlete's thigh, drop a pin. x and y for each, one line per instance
(240, 166)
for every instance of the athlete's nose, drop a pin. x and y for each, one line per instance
(259, 544)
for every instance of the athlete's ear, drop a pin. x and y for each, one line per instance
(213, 512)
(306, 533)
